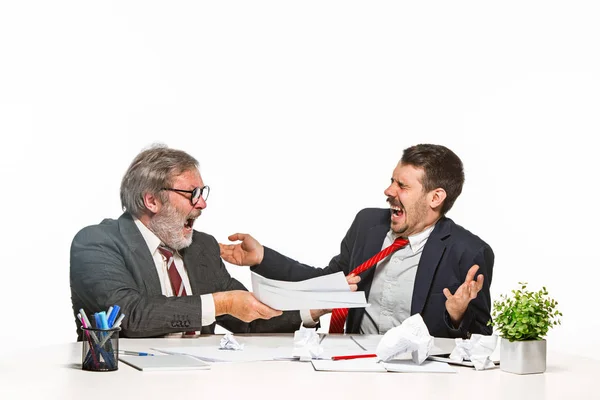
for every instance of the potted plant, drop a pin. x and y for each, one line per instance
(523, 320)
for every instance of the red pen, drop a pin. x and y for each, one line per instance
(351, 357)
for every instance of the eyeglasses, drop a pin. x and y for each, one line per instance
(196, 193)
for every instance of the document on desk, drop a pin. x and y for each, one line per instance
(324, 292)
(410, 366)
(176, 362)
(214, 354)
(374, 365)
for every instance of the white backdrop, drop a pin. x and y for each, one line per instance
(298, 113)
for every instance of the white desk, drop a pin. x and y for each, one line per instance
(55, 373)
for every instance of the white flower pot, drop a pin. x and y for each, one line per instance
(525, 357)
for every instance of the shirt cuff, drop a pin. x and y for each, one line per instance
(307, 320)
(208, 309)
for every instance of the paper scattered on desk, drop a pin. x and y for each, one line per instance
(323, 292)
(228, 342)
(374, 365)
(477, 349)
(409, 366)
(307, 344)
(412, 336)
(355, 365)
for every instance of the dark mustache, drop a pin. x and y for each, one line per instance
(392, 202)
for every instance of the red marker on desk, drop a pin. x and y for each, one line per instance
(351, 357)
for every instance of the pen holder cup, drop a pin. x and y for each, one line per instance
(100, 349)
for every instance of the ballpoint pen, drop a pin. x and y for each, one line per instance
(134, 353)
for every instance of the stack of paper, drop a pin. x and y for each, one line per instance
(324, 292)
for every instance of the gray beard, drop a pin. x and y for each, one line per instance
(167, 225)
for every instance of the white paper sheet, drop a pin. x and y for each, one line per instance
(410, 366)
(250, 353)
(373, 365)
(341, 346)
(324, 292)
(325, 283)
(356, 365)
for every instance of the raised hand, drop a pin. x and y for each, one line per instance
(248, 252)
(457, 303)
(242, 305)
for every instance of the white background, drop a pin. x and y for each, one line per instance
(298, 113)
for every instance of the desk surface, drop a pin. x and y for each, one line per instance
(55, 373)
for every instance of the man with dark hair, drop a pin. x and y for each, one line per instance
(411, 258)
(166, 277)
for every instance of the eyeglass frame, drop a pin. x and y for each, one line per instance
(200, 189)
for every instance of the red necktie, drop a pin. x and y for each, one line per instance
(338, 315)
(174, 277)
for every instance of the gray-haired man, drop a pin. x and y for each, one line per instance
(165, 276)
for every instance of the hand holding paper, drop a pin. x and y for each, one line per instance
(243, 305)
(324, 292)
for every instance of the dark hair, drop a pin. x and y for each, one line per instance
(442, 169)
(150, 171)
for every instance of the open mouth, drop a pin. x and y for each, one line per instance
(396, 211)
(189, 223)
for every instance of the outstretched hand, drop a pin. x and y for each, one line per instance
(457, 303)
(248, 252)
(242, 305)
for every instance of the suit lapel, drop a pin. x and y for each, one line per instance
(428, 265)
(195, 264)
(141, 254)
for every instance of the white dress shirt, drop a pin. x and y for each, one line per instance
(393, 284)
(208, 303)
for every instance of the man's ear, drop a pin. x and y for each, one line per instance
(437, 198)
(152, 203)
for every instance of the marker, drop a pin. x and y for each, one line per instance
(352, 357)
(118, 321)
(103, 320)
(85, 322)
(112, 314)
(134, 353)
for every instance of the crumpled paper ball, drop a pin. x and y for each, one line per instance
(412, 336)
(477, 349)
(307, 344)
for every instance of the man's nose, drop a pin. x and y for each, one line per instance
(201, 204)
(389, 192)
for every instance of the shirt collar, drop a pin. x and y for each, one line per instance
(149, 237)
(416, 242)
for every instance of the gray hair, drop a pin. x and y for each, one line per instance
(151, 171)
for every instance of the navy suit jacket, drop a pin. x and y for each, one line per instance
(447, 256)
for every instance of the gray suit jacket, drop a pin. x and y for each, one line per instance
(447, 256)
(111, 264)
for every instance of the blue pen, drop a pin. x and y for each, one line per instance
(134, 353)
(112, 316)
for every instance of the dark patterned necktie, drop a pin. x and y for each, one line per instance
(338, 315)
(175, 279)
